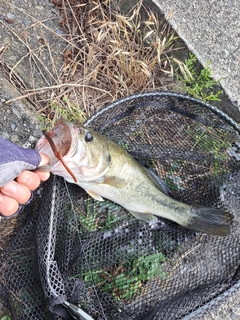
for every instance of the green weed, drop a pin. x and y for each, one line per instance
(208, 141)
(101, 215)
(68, 111)
(125, 145)
(197, 84)
(171, 176)
(126, 280)
(88, 219)
(6, 317)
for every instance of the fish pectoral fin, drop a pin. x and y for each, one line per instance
(145, 216)
(114, 182)
(94, 195)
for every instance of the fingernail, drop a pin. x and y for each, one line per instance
(30, 199)
(20, 208)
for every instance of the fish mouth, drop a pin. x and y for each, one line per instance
(60, 144)
(61, 137)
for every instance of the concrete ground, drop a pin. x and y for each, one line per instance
(211, 30)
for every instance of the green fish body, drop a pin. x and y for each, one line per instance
(106, 170)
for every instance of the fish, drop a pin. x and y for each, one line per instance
(104, 169)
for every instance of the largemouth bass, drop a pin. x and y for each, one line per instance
(106, 170)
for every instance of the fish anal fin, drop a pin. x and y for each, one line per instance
(145, 216)
(94, 195)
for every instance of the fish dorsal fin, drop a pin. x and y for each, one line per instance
(158, 181)
(94, 195)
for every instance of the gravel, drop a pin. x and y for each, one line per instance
(18, 121)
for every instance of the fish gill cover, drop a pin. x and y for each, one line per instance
(77, 257)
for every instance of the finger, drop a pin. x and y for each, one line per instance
(43, 176)
(8, 206)
(16, 191)
(45, 159)
(29, 179)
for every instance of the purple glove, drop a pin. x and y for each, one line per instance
(13, 160)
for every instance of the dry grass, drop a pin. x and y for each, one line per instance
(7, 228)
(108, 55)
(111, 55)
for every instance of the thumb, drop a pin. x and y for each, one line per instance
(44, 159)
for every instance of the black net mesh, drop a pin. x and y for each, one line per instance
(95, 255)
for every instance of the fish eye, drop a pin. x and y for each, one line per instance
(88, 137)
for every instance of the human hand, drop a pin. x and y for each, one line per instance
(13, 162)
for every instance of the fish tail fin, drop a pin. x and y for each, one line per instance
(210, 220)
